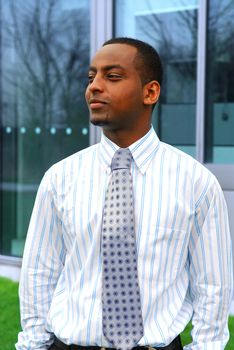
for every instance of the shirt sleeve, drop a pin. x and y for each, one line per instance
(211, 276)
(43, 260)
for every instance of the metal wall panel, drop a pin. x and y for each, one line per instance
(101, 21)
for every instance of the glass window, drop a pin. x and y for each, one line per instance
(44, 59)
(220, 83)
(171, 27)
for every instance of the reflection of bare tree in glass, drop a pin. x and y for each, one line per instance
(221, 51)
(219, 76)
(174, 34)
(179, 43)
(51, 59)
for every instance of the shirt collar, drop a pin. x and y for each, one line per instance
(142, 150)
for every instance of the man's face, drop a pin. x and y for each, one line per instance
(115, 92)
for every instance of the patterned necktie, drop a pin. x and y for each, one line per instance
(122, 318)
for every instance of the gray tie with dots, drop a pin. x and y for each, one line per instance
(122, 318)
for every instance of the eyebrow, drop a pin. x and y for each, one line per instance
(106, 68)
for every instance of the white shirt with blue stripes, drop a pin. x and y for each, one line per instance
(183, 244)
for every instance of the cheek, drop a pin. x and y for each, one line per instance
(87, 94)
(132, 100)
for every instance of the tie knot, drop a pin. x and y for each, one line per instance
(122, 159)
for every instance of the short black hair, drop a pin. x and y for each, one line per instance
(147, 61)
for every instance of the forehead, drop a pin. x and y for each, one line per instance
(115, 54)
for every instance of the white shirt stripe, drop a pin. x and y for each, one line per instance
(183, 245)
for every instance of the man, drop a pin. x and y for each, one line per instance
(182, 239)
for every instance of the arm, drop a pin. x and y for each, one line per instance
(210, 254)
(43, 259)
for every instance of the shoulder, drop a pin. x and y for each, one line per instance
(85, 154)
(182, 159)
(68, 168)
(190, 170)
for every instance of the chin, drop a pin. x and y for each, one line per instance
(105, 123)
(99, 121)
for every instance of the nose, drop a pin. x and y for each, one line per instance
(96, 84)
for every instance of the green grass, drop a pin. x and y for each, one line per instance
(186, 338)
(10, 320)
(9, 314)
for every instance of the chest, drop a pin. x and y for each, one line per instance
(162, 205)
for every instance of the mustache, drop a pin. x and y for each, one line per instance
(97, 100)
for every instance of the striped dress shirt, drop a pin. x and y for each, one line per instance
(183, 245)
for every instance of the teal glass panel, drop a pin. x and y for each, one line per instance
(220, 83)
(44, 118)
(171, 27)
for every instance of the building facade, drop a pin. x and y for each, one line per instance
(45, 49)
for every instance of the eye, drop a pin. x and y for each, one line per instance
(114, 76)
(91, 78)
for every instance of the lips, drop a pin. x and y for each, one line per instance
(96, 103)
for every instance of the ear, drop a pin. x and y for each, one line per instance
(151, 92)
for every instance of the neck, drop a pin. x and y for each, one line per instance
(125, 138)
